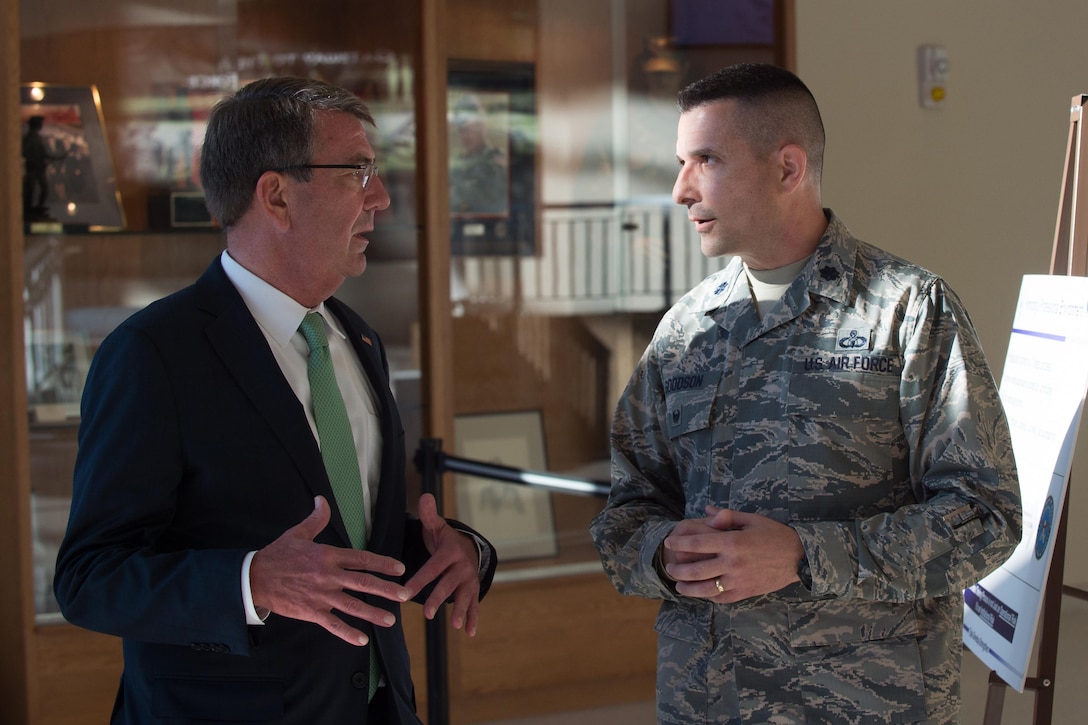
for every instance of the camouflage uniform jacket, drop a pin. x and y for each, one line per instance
(860, 411)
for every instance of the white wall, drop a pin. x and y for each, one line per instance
(969, 191)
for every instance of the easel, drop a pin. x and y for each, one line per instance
(1070, 257)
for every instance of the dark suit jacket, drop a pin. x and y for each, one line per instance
(194, 451)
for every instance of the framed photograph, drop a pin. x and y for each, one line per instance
(493, 144)
(68, 175)
(162, 137)
(57, 363)
(517, 519)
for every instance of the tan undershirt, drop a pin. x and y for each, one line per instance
(768, 285)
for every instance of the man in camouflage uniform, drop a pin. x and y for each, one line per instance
(811, 461)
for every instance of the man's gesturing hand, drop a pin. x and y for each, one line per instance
(454, 563)
(296, 578)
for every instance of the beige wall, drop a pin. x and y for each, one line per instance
(971, 190)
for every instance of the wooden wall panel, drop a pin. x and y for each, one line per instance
(498, 30)
(554, 645)
(78, 672)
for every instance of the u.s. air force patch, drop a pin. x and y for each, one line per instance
(885, 364)
(853, 352)
(853, 340)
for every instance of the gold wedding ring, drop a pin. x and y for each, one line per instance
(718, 583)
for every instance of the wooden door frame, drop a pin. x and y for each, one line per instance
(17, 685)
(436, 328)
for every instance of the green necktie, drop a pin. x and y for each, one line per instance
(334, 431)
(337, 445)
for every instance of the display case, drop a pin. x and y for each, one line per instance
(116, 219)
(104, 214)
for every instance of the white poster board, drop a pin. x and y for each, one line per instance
(1042, 388)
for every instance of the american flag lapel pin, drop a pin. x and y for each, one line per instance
(367, 340)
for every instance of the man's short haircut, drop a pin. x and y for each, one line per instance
(267, 124)
(774, 108)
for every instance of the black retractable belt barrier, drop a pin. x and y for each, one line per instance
(431, 462)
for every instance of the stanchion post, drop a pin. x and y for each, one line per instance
(438, 710)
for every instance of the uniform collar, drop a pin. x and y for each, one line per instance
(828, 273)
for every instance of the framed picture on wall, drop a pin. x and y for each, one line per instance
(68, 176)
(57, 363)
(517, 519)
(492, 158)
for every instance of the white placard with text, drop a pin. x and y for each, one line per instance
(1042, 388)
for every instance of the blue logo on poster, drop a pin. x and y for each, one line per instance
(1046, 525)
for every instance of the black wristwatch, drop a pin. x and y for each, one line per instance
(804, 573)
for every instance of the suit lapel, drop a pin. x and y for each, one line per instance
(383, 536)
(242, 347)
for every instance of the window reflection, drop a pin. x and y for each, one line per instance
(159, 67)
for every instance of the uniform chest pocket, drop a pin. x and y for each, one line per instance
(689, 401)
(856, 395)
(857, 411)
(848, 448)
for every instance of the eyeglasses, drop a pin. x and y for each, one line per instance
(363, 172)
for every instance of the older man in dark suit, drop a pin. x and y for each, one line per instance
(208, 527)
